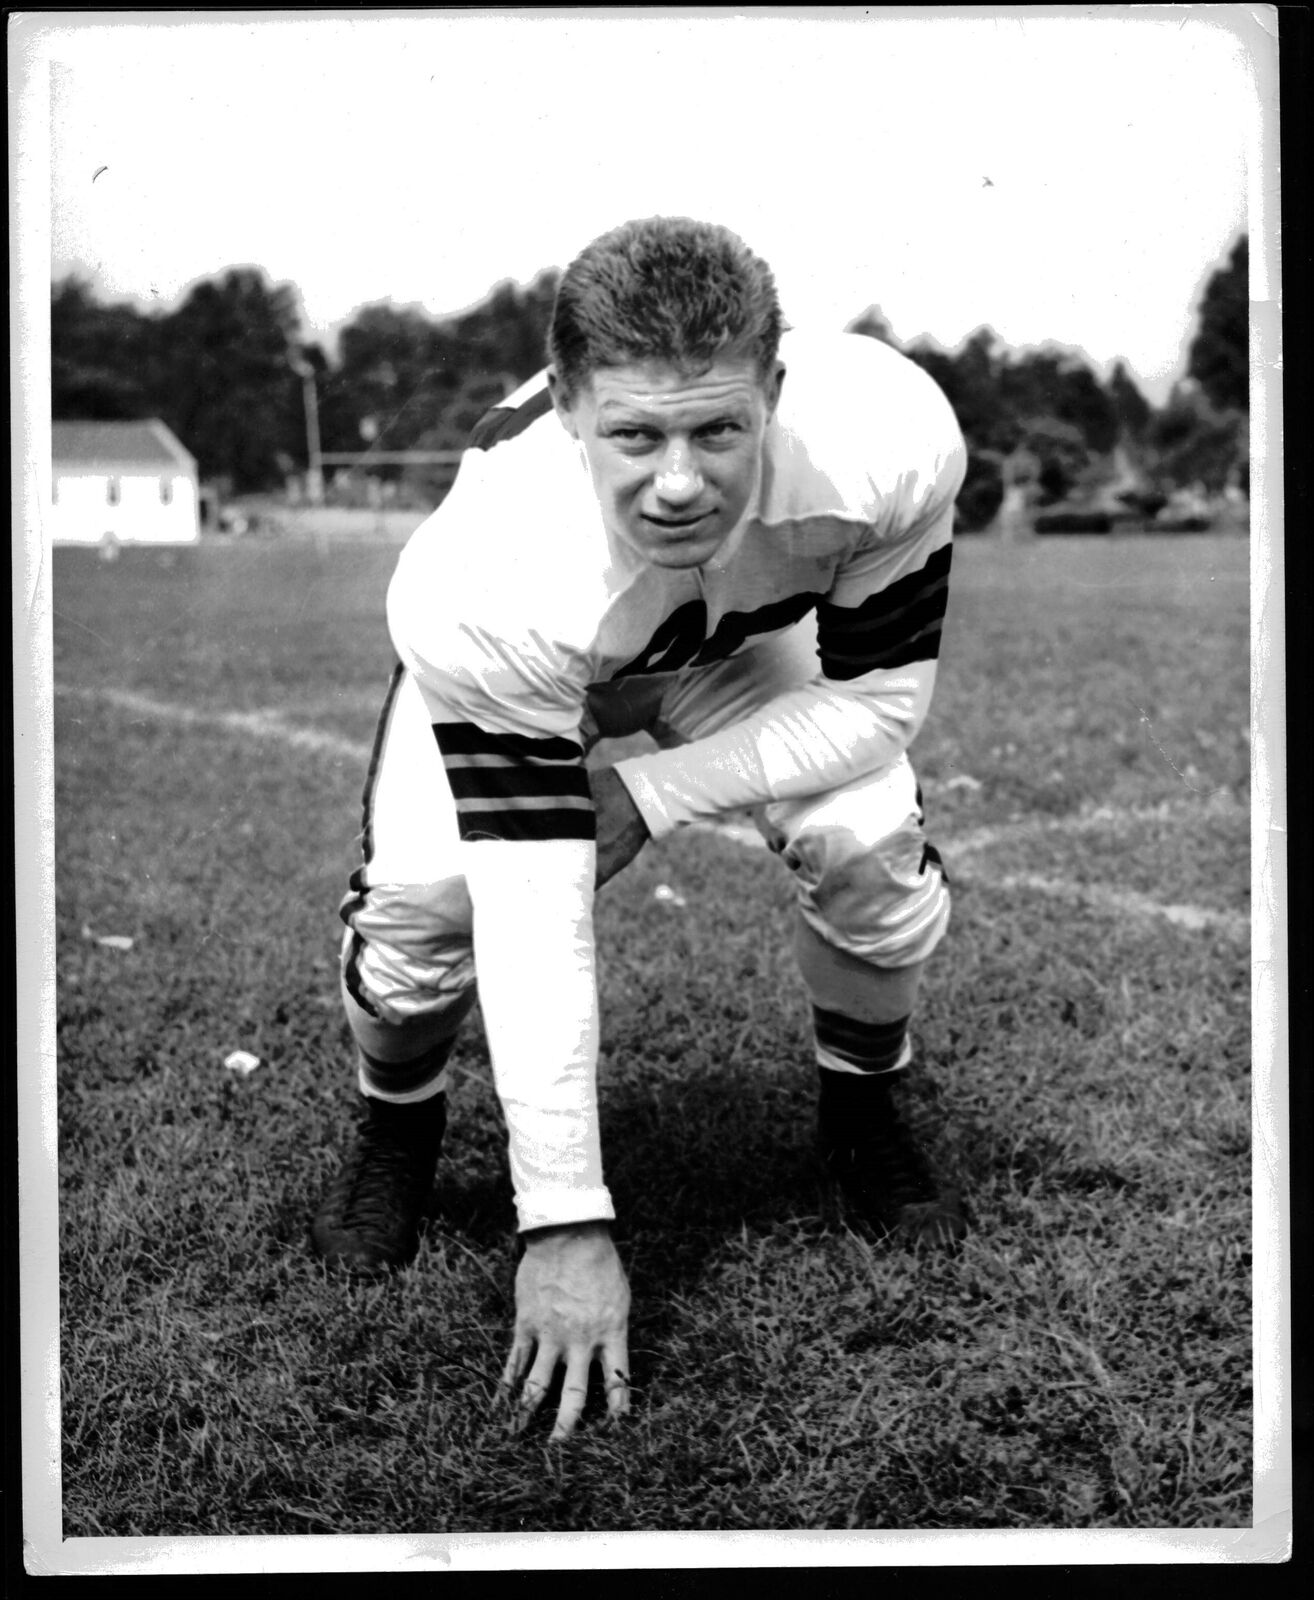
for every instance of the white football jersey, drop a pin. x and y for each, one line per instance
(514, 598)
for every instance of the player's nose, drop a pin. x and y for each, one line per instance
(678, 480)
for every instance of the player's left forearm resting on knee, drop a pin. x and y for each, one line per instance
(810, 739)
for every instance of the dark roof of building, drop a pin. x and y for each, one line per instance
(118, 444)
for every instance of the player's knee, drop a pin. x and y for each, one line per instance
(407, 967)
(884, 900)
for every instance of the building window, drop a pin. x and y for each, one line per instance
(112, 492)
(166, 491)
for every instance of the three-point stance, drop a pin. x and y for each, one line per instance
(738, 541)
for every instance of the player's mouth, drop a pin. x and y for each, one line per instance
(678, 525)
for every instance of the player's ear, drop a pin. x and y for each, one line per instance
(562, 403)
(773, 387)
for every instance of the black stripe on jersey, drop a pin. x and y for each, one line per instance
(737, 627)
(515, 786)
(680, 639)
(505, 422)
(900, 625)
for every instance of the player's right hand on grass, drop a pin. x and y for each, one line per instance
(572, 1307)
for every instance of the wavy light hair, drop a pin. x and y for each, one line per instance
(663, 289)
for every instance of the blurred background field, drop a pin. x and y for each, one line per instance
(1085, 1363)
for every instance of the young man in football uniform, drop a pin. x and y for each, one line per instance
(737, 540)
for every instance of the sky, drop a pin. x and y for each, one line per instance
(1070, 174)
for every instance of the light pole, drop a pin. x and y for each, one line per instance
(314, 459)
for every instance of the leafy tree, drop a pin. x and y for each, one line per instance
(1059, 385)
(397, 369)
(230, 393)
(1083, 402)
(872, 322)
(1131, 410)
(1219, 357)
(1189, 442)
(421, 383)
(507, 332)
(1061, 452)
(971, 381)
(104, 359)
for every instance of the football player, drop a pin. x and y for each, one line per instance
(737, 539)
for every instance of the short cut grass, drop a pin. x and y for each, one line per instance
(1084, 1363)
(663, 289)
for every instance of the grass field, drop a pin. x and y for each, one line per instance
(1085, 1362)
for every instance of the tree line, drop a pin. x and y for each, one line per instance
(223, 370)
(1045, 419)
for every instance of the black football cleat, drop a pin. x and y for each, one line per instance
(884, 1179)
(369, 1219)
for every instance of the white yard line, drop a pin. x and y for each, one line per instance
(270, 725)
(1123, 902)
(259, 724)
(1098, 819)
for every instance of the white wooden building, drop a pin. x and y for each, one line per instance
(121, 483)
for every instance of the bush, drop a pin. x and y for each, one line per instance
(1073, 522)
(1148, 502)
(982, 494)
(1189, 523)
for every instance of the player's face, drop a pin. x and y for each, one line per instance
(675, 458)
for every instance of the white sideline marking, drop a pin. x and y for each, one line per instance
(1122, 902)
(259, 724)
(1099, 818)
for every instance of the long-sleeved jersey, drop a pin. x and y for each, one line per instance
(515, 599)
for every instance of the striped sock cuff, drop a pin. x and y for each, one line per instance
(846, 1045)
(404, 1082)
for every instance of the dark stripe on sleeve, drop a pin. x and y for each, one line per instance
(517, 782)
(505, 422)
(514, 786)
(465, 739)
(899, 625)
